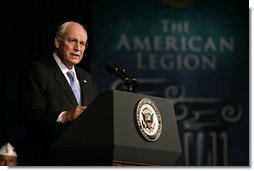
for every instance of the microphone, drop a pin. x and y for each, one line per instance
(114, 70)
(123, 71)
(128, 80)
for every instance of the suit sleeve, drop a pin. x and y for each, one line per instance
(33, 98)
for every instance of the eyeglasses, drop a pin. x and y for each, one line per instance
(74, 41)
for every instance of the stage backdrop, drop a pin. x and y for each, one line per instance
(195, 52)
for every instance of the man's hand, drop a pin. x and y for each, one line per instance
(73, 114)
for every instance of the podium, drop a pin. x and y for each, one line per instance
(107, 133)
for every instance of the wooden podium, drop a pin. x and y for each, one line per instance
(107, 133)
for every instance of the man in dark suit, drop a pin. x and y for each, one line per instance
(48, 101)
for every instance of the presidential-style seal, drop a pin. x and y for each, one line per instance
(148, 119)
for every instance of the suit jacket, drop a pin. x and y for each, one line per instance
(45, 94)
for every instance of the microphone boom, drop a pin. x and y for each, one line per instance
(128, 80)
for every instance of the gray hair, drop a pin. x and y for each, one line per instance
(62, 27)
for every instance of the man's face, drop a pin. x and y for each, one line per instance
(8, 160)
(71, 45)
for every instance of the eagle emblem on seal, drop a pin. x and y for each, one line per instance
(147, 119)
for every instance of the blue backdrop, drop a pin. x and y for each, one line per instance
(194, 52)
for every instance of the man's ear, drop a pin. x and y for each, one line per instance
(57, 42)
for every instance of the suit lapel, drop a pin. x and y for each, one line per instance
(83, 86)
(65, 86)
(60, 78)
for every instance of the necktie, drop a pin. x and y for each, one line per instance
(74, 85)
